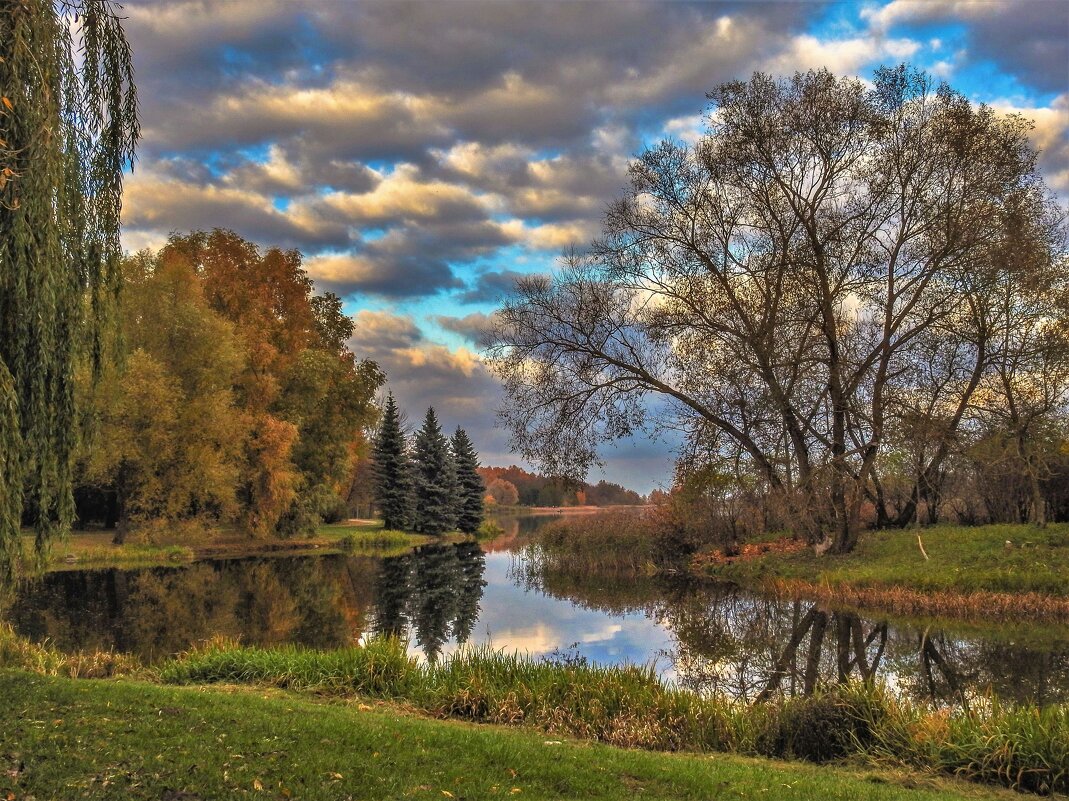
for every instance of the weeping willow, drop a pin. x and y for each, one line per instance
(68, 127)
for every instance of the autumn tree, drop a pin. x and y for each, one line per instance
(170, 436)
(392, 469)
(771, 285)
(68, 127)
(469, 484)
(503, 492)
(434, 479)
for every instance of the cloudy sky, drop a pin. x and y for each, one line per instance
(422, 155)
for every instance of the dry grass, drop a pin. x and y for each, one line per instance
(972, 606)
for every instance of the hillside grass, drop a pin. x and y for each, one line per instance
(960, 559)
(133, 740)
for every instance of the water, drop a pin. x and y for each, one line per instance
(705, 636)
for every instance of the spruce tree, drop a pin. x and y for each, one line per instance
(393, 479)
(470, 487)
(434, 479)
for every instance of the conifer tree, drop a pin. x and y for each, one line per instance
(393, 479)
(434, 479)
(470, 488)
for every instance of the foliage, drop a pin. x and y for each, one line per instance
(503, 493)
(469, 484)
(392, 469)
(832, 271)
(434, 479)
(536, 490)
(165, 740)
(628, 706)
(68, 127)
(237, 400)
(614, 541)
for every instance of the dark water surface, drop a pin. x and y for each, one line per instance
(709, 637)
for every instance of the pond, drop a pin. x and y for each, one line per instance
(705, 636)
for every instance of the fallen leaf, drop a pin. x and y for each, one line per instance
(257, 784)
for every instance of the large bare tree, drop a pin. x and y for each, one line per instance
(772, 288)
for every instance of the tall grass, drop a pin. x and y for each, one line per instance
(615, 541)
(16, 652)
(1024, 748)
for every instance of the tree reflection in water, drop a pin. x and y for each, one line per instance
(323, 602)
(749, 647)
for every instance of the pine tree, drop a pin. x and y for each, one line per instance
(435, 479)
(470, 487)
(393, 479)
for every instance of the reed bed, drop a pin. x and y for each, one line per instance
(604, 542)
(975, 606)
(21, 654)
(1024, 748)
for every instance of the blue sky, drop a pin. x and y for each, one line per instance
(422, 155)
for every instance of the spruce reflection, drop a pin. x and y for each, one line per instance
(432, 594)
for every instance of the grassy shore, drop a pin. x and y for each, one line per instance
(981, 572)
(134, 740)
(95, 549)
(1020, 747)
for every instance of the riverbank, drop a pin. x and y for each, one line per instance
(982, 573)
(95, 549)
(135, 740)
(1021, 747)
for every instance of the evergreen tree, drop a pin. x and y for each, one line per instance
(470, 487)
(435, 479)
(393, 481)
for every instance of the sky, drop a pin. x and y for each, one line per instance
(422, 155)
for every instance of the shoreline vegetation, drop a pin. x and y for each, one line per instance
(1019, 747)
(68, 742)
(971, 573)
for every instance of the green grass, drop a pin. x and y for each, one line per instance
(129, 740)
(1021, 747)
(961, 559)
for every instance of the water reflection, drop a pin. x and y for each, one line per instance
(745, 646)
(707, 637)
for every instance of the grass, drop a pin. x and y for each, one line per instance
(607, 541)
(1020, 747)
(95, 549)
(133, 740)
(1025, 748)
(970, 572)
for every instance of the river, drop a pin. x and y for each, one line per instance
(706, 636)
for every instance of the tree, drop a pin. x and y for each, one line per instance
(503, 492)
(434, 479)
(470, 488)
(392, 469)
(772, 284)
(169, 435)
(68, 127)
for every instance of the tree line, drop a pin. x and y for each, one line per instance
(851, 299)
(430, 485)
(513, 485)
(231, 396)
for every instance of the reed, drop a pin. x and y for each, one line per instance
(1024, 748)
(19, 653)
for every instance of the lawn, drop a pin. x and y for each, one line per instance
(129, 740)
(961, 559)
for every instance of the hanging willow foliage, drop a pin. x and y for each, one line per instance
(68, 127)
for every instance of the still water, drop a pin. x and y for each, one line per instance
(705, 636)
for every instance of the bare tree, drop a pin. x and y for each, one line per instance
(776, 282)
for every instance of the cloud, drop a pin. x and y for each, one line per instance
(1030, 39)
(492, 286)
(472, 327)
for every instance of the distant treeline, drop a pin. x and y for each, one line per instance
(515, 486)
